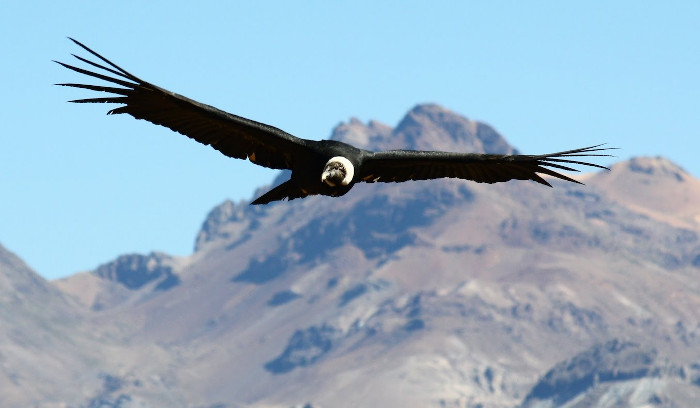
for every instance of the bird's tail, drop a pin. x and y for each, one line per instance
(288, 190)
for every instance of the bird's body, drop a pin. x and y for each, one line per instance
(307, 171)
(325, 167)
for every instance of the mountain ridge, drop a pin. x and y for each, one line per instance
(441, 293)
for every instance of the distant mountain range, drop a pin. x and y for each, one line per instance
(426, 294)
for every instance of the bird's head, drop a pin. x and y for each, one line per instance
(338, 172)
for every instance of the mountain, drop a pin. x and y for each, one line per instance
(441, 293)
(656, 188)
(44, 346)
(117, 282)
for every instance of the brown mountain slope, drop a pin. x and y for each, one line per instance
(42, 339)
(655, 187)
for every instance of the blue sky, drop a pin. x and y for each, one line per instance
(80, 188)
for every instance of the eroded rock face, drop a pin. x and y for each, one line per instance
(622, 373)
(612, 361)
(304, 348)
(135, 271)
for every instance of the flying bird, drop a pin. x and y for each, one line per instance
(325, 167)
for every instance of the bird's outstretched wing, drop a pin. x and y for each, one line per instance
(403, 165)
(232, 135)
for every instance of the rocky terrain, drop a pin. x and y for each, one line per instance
(443, 293)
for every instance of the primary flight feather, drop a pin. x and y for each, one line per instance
(325, 167)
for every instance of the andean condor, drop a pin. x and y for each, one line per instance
(324, 167)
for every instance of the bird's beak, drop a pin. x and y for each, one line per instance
(327, 177)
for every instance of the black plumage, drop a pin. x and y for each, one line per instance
(323, 167)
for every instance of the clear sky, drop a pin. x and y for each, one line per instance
(78, 188)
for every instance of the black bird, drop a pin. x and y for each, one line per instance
(325, 167)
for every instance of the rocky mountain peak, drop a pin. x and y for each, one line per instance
(656, 187)
(365, 136)
(224, 213)
(432, 127)
(652, 166)
(134, 271)
(425, 127)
